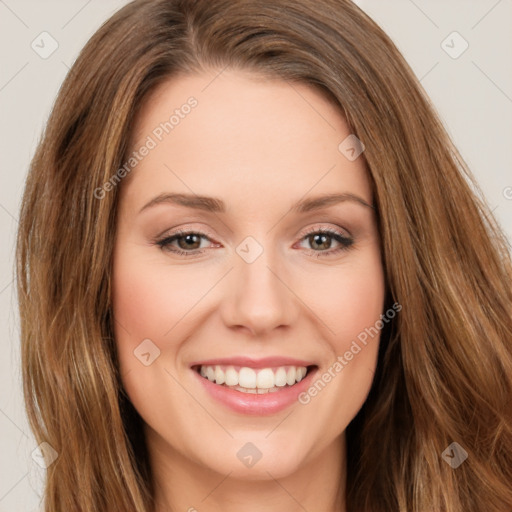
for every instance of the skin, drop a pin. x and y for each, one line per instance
(260, 145)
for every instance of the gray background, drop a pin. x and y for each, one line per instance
(472, 93)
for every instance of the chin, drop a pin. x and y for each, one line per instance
(256, 456)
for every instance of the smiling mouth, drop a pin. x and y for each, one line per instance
(254, 380)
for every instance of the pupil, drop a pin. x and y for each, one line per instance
(322, 239)
(188, 239)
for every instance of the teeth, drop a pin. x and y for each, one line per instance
(280, 377)
(265, 379)
(220, 376)
(255, 391)
(249, 380)
(231, 377)
(210, 373)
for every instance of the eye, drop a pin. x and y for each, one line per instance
(188, 243)
(320, 240)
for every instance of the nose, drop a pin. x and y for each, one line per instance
(259, 299)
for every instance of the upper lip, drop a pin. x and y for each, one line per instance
(265, 362)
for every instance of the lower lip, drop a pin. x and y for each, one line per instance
(250, 403)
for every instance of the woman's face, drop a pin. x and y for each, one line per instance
(260, 283)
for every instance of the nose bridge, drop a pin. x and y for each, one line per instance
(260, 300)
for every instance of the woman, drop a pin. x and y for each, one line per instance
(340, 337)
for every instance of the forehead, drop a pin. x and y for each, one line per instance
(256, 135)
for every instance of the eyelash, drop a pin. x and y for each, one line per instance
(346, 242)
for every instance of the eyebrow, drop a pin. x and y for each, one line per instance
(215, 205)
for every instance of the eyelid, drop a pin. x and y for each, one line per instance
(168, 233)
(321, 227)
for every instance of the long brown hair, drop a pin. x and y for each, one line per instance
(445, 363)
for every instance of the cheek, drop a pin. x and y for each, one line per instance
(157, 302)
(143, 310)
(349, 299)
(350, 303)
(148, 302)
(149, 299)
